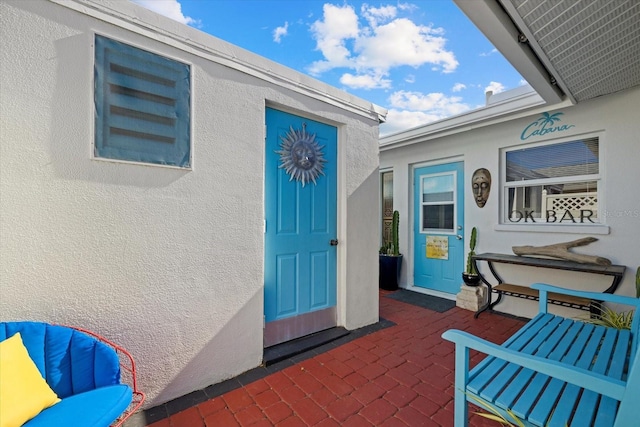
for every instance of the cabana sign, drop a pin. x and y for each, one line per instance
(301, 155)
(544, 126)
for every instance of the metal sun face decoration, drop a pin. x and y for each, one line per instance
(301, 156)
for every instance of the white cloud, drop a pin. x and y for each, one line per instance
(411, 109)
(407, 6)
(495, 87)
(399, 120)
(436, 103)
(339, 25)
(458, 87)
(365, 81)
(279, 32)
(169, 8)
(410, 78)
(373, 49)
(376, 15)
(491, 52)
(402, 42)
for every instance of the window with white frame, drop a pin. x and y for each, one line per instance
(552, 183)
(142, 105)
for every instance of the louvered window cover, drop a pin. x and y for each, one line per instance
(142, 105)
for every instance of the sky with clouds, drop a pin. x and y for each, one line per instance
(421, 60)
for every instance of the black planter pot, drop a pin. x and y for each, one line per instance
(389, 272)
(471, 279)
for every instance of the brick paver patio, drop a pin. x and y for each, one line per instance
(398, 376)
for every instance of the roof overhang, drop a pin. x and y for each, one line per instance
(494, 22)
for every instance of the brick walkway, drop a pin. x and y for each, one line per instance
(398, 376)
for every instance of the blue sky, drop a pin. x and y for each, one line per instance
(422, 60)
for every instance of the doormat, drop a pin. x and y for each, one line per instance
(421, 300)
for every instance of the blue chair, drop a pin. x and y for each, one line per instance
(83, 369)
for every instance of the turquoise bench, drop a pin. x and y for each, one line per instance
(83, 370)
(554, 371)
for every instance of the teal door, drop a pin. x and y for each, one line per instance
(300, 227)
(438, 222)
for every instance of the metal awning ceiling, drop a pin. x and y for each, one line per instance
(585, 48)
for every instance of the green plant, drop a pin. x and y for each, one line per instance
(471, 267)
(610, 318)
(495, 415)
(394, 233)
(386, 249)
(508, 419)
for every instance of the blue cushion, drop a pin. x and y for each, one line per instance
(71, 361)
(96, 408)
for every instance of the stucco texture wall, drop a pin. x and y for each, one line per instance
(613, 118)
(166, 262)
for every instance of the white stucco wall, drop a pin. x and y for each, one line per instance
(166, 262)
(615, 120)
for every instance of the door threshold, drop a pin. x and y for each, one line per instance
(285, 350)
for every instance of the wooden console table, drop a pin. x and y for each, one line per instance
(519, 291)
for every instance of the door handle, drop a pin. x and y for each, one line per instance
(459, 237)
(334, 242)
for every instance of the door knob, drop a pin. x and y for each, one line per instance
(459, 237)
(334, 242)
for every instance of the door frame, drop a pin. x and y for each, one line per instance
(411, 217)
(339, 310)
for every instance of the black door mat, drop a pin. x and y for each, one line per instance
(421, 300)
(292, 348)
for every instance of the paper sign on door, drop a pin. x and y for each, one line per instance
(438, 247)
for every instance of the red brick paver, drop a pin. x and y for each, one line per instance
(398, 376)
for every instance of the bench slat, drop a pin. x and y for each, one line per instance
(588, 404)
(556, 388)
(516, 342)
(601, 342)
(554, 349)
(524, 404)
(503, 373)
(608, 407)
(485, 372)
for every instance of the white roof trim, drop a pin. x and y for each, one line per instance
(135, 18)
(522, 105)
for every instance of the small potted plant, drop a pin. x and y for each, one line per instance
(470, 276)
(391, 259)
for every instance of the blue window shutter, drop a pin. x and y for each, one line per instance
(142, 105)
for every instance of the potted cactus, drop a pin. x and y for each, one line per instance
(470, 276)
(391, 259)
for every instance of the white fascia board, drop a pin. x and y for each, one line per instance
(524, 105)
(135, 18)
(497, 26)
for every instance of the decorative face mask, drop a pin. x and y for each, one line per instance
(481, 185)
(301, 156)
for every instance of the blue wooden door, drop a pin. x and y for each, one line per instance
(438, 227)
(300, 226)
